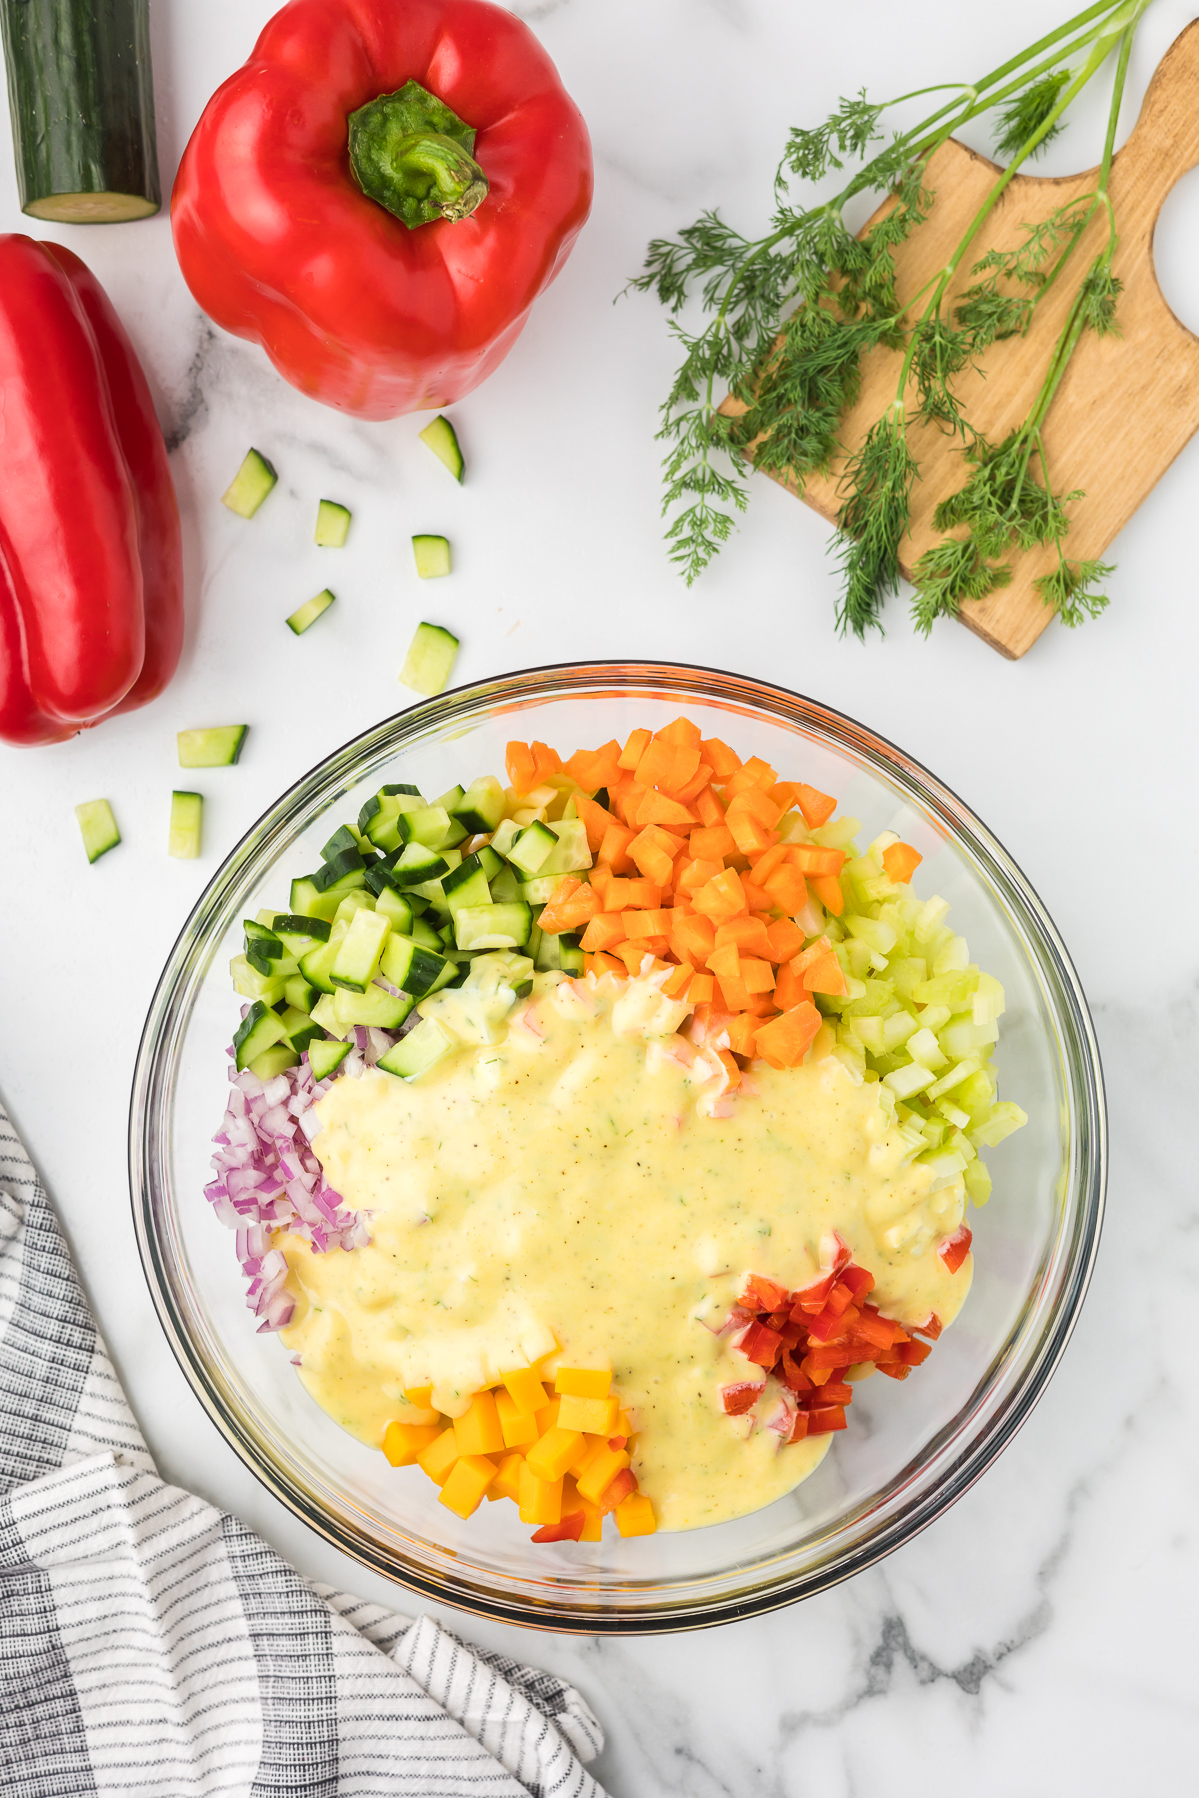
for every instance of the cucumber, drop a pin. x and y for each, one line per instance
(299, 1028)
(338, 868)
(417, 970)
(432, 557)
(325, 1058)
(299, 935)
(317, 966)
(187, 811)
(466, 885)
(357, 960)
(324, 1013)
(98, 827)
(416, 863)
(81, 99)
(429, 660)
(253, 985)
(308, 901)
(401, 787)
(493, 926)
(571, 853)
(532, 847)
(301, 993)
(505, 886)
(393, 906)
(429, 824)
(570, 957)
(481, 807)
(505, 834)
(349, 903)
(489, 861)
(373, 1007)
(382, 828)
(332, 524)
(419, 1051)
(264, 939)
(343, 838)
(422, 932)
(250, 485)
(442, 439)
(449, 799)
(218, 747)
(274, 1061)
(258, 1030)
(540, 890)
(310, 611)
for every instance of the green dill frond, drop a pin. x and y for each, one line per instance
(938, 354)
(1003, 503)
(1097, 299)
(810, 154)
(1023, 116)
(1026, 263)
(1069, 590)
(872, 522)
(673, 266)
(949, 573)
(989, 316)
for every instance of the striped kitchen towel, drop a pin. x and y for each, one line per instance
(151, 1645)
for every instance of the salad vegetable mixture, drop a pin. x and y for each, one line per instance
(696, 1025)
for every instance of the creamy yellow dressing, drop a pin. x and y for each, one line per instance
(573, 1186)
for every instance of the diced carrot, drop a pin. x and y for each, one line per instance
(668, 765)
(725, 1057)
(756, 897)
(820, 946)
(603, 964)
(722, 898)
(634, 749)
(785, 939)
(597, 820)
(749, 833)
(654, 849)
(755, 773)
(900, 862)
(827, 889)
(602, 931)
(732, 995)
(638, 924)
(825, 975)
(546, 761)
(681, 730)
(725, 962)
(702, 989)
(758, 804)
(696, 936)
(787, 889)
(725, 761)
(712, 842)
(708, 806)
(572, 904)
(659, 808)
(521, 768)
(811, 858)
(757, 975)
(786, 1039)
(689, 875)
(749, 934)
(766, 863)
(594, 768)
(785, 794)
(817, 807)
(741, 1034)
(676, 985)
(789, 989)
(626, 802)
(635, 953)
(614, 848)
(641, 895)
(694, 787)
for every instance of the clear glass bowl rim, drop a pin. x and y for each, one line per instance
(150, 1108)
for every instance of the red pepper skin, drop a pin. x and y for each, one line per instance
(278, 244)
(90, 554)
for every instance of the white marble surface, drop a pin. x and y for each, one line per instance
(1039, 1638)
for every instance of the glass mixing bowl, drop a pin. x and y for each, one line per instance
(911, 1449)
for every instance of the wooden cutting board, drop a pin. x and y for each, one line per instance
(1126, 405)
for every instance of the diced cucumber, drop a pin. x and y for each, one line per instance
(301, 993)
(357, 960)
(428, 824)
(187, 810)
(505, 834)
(98, 828)
(325, 1058)
(416, 863)
(258, 1030)
(310, 611)
(374, 1007)
(332, 524)
(396, 909)
(432, 557)
(379, 817)
(263, 937)
(466, 885)
(505, 886)
(429, 660)
(307, 900)
(253, 985)
(300, 934)
(217, 747)
(489, 861)
(442, 439)
(416, 970)
(570, 957)
(300, 1028)
(422, 932)
(449, 799)
(493, 926)
(419, 1051)
(571, 854)
(343, 838)
(481, 807)
(317, 965)
(532, 847)
(324, 1013)
(250, 485)
(540, 890)
(274, 1061)
(340, 867)
(402, 787)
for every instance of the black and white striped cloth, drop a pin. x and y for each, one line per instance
(151, 1645)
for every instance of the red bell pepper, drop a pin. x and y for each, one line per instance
(91, 568)
(380, 194)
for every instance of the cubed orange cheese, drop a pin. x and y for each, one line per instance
(593, 1527)
(478, 1429)
(439, 1457)
(540, 1500)
(524, 1388)
(506, 1483)
(600, 1470)
(552, 1455)
(519, 1427)
(547, 1416)
(467, 1481)
(597, 1416)
(583, 1382)
(582, 1454)
(420, 1396)
(403, 1443)
(635, 1515)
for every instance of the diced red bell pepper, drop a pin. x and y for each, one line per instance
(834, 1251)
(792, 1374)
(875, 1328)
(913, 1353)
(741, 1395)
(835, 1391)
(838, 1299)
(761, 1294)
(954, 1250)
(858, 1280)
(617, 1489)
(821, 1356)
(932, 1327)
(799, 1428)
(894, 1370)
(824, 1418)
(570, 1529)
(830, 1326)
(811, 1299)
(761, 1345)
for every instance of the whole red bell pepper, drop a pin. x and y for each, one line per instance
(380, 194)
(91, 566)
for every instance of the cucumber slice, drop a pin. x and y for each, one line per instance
(489, 861)
(572, 854)
(493, 926)
(300, 1028)
(374, 1007)
(449, 799)
(317, 965)
(417, 970)
(417, 863)
(250, 485)
(299, 935)
(307, 900)
(325, 1058)
(98, 827)
(442, 439)
(396, 909)
(332, 524)
(353, 902)
(343, 838)
(341, 867)
(481, 807)
(430, 825)
(274, 1061)
(253, 985)
(310, 611)
(422, 932)
(357, 960)
(265, 940)
(540, 890)
(505, 834)
(301, 993)
(419, 1051)
(465, 885)
(505, 886)
(218, 747)
(432, 557)
(187, 811)
(259, 1029)
(429, 660)
(532, 847)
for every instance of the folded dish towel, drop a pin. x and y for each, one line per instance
(150, 1644)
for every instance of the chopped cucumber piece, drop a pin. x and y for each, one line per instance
(300, 934)
(332, 524)
(218, 747)
(422, 932)
(98, 827)
(571, 853)
(430, 825)
(417, 863)
(419, 971)
(505, 886)
(301, 993)
(375, 1007)
(532, 847)
(442, 439)
(250, 485)
(493, 926)
(300, 1028)
(449, 799)
(432, 557)
(274, 1061)
(343, 838)
(429, 660)
(506, 833)
(489, 861)
(258, 1030)
(187, 809)
(253, 985)
(540, 890)
(308, 901)
(419, 1051)
(466, 885)
(263, 937)
(323, 1013)
(357, 960)
(317, 965)
(325, 1058)
(310, 611)
(396, 909)
(340, 867)
(481, 807)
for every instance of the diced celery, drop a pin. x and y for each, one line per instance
(873, 931)
(965, 1148)
(906, 1081)
(869, 1032)
(905, 973)
(949, 1110)
(954, 1077)
(978, 1181)
(875, 998)
(924, 1048)
(977, 1094)
(897, 1029)
(989, 1001)
(960, 1037)
(934, 1016)
(946, 1166)
(1004, 1118)
(881, 844)
(792, 829)
(858, 959)
(930, 917)
(953, 957)
(838, 833)
(953, 990)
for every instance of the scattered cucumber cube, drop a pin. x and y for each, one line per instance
(532, 847)
(310, 611)
(98, 827)
(187, 809)
(493, 926)
(419, 1051)
(432, 555)
(357, 960)
(429, 660)
(250, 485)
(332, 524)
(218, 747)
(259, 1029)
(274, 1061)
(481, 807)
(442, 439)
(326, 1057)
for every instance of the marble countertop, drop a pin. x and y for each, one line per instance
(1038, 1638)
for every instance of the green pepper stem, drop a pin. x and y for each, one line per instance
(412, 155)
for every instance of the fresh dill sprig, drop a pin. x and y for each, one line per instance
(874, 519)
(1025, 116)
(811, 154)
(1068, 590)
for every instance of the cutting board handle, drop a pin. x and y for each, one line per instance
(1164, 142)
